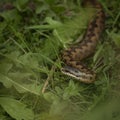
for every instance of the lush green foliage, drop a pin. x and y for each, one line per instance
(32, 35)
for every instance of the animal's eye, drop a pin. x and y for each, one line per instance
(76, 71)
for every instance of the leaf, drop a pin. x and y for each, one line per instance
(5, 67)
(16, 109)
(29, 59)
(5, 80)
(58, 90)
(41, 7)
(50, 21)
(50, 97)
(71, 90)
(116, 38)
(58, 107)
(11, 15)
(23, 76)
(13, 55)
(32, 88)
(21, 4)
(20, 87)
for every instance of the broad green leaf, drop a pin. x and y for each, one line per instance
(50, 97)
(41, 7)
(29, 60)
(21, 76)
(5, 67)
(16, 109)
(58, 107)
(11, 15)
(21, 4)
(32, 88)
(71, 90)
(13, 55)
(21, 87)
(58, 90)
(5, 81)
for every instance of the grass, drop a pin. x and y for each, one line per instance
(32, 36)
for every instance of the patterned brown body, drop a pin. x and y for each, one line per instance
(73, 56)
